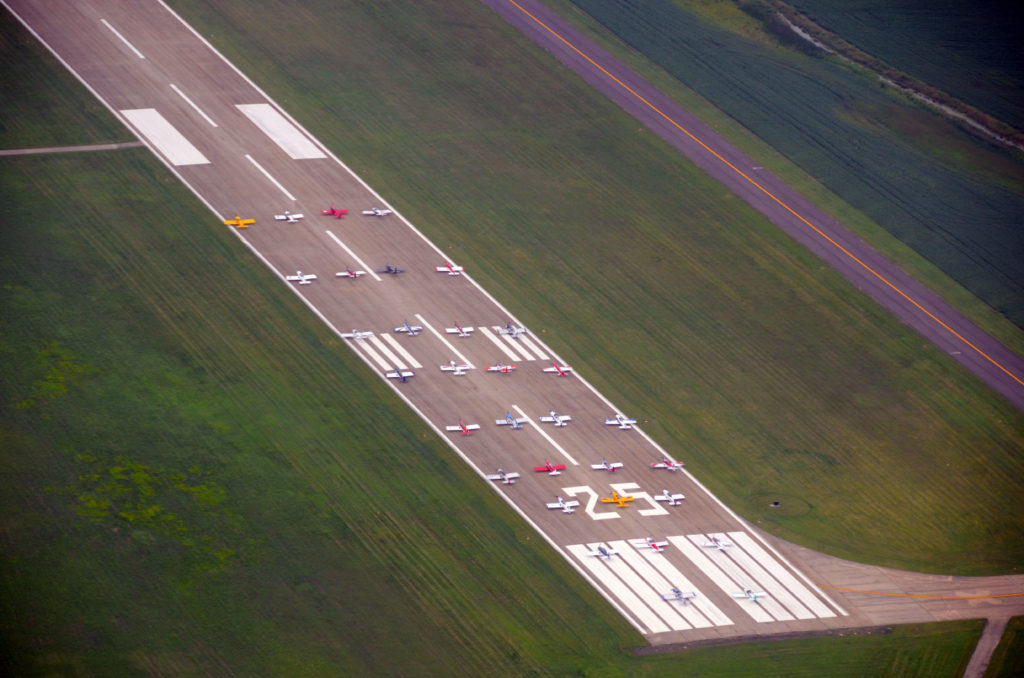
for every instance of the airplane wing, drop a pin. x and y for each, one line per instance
(507, 476)
(669, 497)
(508, 422)
(456, 330)
(607, 552)
(562, 368)
(394, 374)
(356, 334)
(750, 594)
(410, 328)
(553, 469)
(567, 504)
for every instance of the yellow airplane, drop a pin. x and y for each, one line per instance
(616, 498)
(240, 222)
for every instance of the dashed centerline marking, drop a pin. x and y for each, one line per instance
(192, 104)
(123, 39)
(268, 176)
(352, 254)
(544, 433)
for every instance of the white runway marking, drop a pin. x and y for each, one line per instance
(361, 343)
(447, 343)
(193, 105)
(678, 579)
(499, 344)
(632, 573)
(163, 136)
(721, 580)
(653, 623)
(401, 350)
(512, 344)
(281, 132)
(352, 254)
(395, 361)
(123, 39)
(807, 596)
(268, 176)
(541, 355)
(546, 436)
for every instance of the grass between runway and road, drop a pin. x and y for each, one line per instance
(771, 375)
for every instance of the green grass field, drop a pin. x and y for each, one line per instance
(1008, 658)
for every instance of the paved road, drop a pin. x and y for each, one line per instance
(869, 271)
(237, 150)
(42, 150)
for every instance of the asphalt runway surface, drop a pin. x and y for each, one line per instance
(243, 155)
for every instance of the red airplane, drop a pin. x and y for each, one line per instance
(504, 369)
(550, 469)
(561, 370)
(333, 212)
(465, 428)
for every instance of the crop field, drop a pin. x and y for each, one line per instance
(970, 50)
(836, 126)
(200, 480)
(767, 373)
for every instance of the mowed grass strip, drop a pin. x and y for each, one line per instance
(772, 376)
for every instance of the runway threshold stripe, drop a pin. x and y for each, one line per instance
(164, 137)
(785, 577)
(395, 361)
(511, 344)
(643, 589)
(656, 581)
(772, 196)
(401, 350)
(509, 354)
(361, 343)
(632, 604)
(541, 355)
(286, 135)
(718, 577)
(679, 580)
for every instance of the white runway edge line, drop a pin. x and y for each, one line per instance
(191, 103)
(352, 254)
(286, 135)
(123, 39)
(269, 177)
(163, 136)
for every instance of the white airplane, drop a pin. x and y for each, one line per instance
(621, 421)
(668, 465)
(566, 506)
(717, 543)
(301, 278)
(356, 334)
(751, 594)
(349, 273)
(556, 419)
(458, 370)
(672, 499)
(450, 269)
(561, 370)
(515, 422)
(376, 212)
(602, 552)
(649, 543)
(466, 429)
(400, 374)
(411, 330)
(288, 216)
(459, 330)
(512, 330)
(504, 369)
(607, 466)
(682, 596)
(506, 478)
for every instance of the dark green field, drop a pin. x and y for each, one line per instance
(970, 50)
(871, 150)
(1008, 658)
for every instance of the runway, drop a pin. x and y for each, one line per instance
(242, 154)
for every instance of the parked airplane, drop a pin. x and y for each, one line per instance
(400, 374)
(332, 211)
(621, 421)
(459, 330)
(349, 273)
(751, 594)
(411, 330)
(515, 422)
(561, 370)
(391, 270)
(240, 222)
(356, 334)
(450, 269)
(506, 478)
(467, 429)
(621, 499)
(607, 466)
(456, 369)
(504, 369)
(566, 506)
(716, 543)
(550, 469)
(602, 552)
(682, 596)
(649, 543)
(512, 330)
(672, 499)
(301, 278)
(556, 419)
(376, 212)
(288, 216)
(668, 465)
